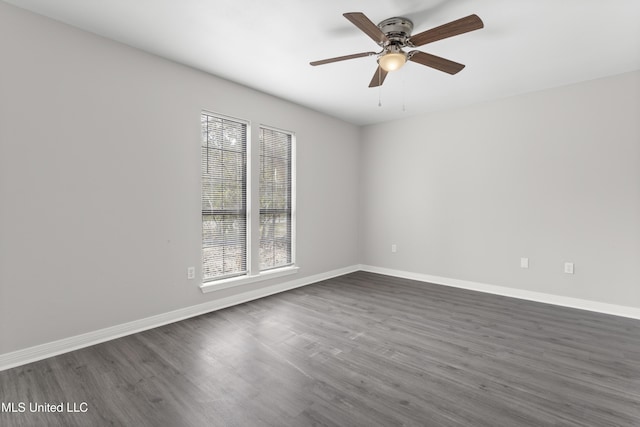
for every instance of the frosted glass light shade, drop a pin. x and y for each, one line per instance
(392, 61)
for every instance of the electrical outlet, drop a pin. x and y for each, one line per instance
(394, 248)
(524, 262)
(568, 267)
(191, 273)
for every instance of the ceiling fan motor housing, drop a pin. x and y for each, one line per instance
(398, 30)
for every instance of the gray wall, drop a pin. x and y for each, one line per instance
(100, 181)
(553, 176)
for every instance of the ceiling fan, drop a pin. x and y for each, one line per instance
(394, 34)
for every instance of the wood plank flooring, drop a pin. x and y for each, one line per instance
(358, 350)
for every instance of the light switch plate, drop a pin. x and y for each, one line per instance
(568, 267)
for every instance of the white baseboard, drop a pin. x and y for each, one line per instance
(43, 351)
(582, 304)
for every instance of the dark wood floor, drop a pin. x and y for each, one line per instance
(358, 350)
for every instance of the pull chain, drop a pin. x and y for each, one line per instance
(403, 94)
(379, 87)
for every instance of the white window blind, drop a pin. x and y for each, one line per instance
(224, 197)
(275, 198)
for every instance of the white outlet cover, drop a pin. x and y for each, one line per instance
(524, 262)
(568, 267)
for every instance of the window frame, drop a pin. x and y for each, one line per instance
(246, 190)
(292, 196)
(252, 179)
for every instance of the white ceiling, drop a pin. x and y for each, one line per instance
(526, 45)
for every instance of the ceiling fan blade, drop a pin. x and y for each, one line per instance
(342, 58)
(378, 77)
(369, 28)
(453, 28)
(435, 62)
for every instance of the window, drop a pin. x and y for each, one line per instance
(239, 246)
(275, 198)
(224, 197)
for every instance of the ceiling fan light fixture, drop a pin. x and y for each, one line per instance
(393, 60)
(394, 34)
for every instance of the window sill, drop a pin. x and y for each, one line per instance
(218, 285)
